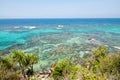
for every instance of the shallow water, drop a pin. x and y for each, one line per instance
(55, 39)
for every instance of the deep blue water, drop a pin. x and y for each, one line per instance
(16, 22)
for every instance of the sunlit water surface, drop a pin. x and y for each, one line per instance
(56, 39)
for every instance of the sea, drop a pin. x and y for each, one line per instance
(57, 39)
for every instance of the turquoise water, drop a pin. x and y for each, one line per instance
(55, 39)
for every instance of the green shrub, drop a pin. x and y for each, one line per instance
(98, 54)
(108, 65)
(15, 63)
(65, 69)
(111, 63)
(85, 74)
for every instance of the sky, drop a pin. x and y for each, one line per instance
(59, 8)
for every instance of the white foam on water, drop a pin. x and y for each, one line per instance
(117, 47)
(59, 27)
(30, 27)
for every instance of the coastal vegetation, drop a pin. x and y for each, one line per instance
(17, 65)
(101, 65)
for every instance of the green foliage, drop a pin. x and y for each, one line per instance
(6, 69)
(100, 52)
(101, 66)
(32, 59)
(111, 63)
(23, 59)
(108, 65)
(7, 64)
(86, 74)
(65, 69)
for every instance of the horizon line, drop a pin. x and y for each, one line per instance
(67, 18)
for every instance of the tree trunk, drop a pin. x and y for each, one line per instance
(31, 69)
(23, 71)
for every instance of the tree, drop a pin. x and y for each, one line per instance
(15, 62)
(20, 58)
(24, 60)
(31, 59)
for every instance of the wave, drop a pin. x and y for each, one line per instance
(59, 27)
(30, 27)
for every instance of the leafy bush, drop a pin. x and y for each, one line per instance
(21, 60)
(65, 69)
(110, 64)
(98, 54)
(85, 74)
